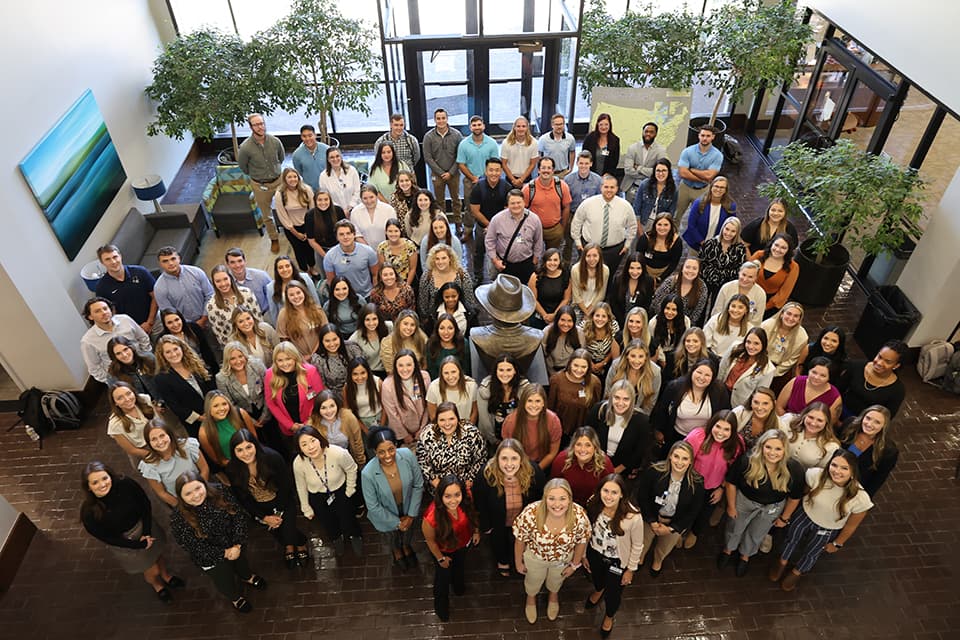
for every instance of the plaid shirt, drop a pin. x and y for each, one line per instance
(407, 148)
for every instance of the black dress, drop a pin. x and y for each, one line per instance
(319, 225)
(550, 291)
(858, 394)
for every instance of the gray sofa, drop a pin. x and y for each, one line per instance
(141, 236)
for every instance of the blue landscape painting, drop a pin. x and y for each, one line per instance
(74, 173)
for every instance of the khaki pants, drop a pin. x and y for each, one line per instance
(263, 195)
(539, 571)
(685, 195)
(451, 185)
(662, 546)
(554, 238)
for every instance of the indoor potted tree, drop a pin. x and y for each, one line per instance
(325, 61)
(862, 200)
(202, 82)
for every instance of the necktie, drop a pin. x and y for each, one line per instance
(606, 225)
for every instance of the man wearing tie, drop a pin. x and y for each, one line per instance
(607, 220)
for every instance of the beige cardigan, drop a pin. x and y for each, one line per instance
(350, 426)
(630, 544)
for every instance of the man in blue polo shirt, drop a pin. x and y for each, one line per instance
(310, 158)
(559, 145)
(699, 164)
(472, 154)
(355, 261)
(129, 288)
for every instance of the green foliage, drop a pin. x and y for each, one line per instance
(738, 47)
(202, 83)
(642, 48)
(760, 44)
(866, 201)
(323, 61)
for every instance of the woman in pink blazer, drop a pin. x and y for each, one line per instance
(404, 397)
(291, 386)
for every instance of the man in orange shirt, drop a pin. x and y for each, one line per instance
(549, 198)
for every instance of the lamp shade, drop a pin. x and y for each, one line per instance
(149, 187)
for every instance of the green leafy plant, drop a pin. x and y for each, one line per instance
(756, 44)
(325, 61)
(738, 47)
(863, 200)
(641, 48)
(203, 82)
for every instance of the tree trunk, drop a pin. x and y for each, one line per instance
(716, 108)
(236, 146)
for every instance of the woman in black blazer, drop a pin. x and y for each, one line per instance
(174, 324)
(509, 469)
(254, 463)
(668, 514)
(688, 402)
(177, 366)
(632, 447)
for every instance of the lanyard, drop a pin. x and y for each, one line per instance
(323, 478)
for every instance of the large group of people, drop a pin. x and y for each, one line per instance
(681, 387)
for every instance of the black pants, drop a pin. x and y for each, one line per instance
(702, 521)
(287, 533)
(612, 257)
(301, 248)
(443, 579)
(339, 517)
(501, 539)
(522, 270)
(605, 580)
(227, 573)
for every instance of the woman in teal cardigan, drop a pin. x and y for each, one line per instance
(392, 484)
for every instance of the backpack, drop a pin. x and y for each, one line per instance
(62, 409)
(934, 361)
(31, 413)
(951, 380)
(532, 185)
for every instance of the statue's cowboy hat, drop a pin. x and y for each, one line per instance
(507, 300)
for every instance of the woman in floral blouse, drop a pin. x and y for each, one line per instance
(450, 445)
(392, 294)
(398, 251)
(551, 538)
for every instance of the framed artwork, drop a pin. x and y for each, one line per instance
(74, 173)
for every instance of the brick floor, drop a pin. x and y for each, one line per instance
(896, 579)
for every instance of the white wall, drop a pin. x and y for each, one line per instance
(53, 51)
(919, 39)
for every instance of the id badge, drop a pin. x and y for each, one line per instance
(772, 511)
(660, 500)
(582, 393)
(823, 532)
(615, 570)
(330, 499)
(264, 187)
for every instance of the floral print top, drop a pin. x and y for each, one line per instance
(547, 545)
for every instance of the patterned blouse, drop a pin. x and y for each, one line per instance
(221, 530)
(333, 369)
(693, 311)
(400, 262)
(546, 545)
(220, 318)
(718, 267)
(428, 293)
(464, 456)
(390, 309)
(600, 348)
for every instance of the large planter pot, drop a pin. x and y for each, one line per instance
(226, 157)
(693, 132)
(888, 315)
(818, 282)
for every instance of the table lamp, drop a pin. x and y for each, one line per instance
(150, 188)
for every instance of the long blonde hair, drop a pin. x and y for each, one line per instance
(644, 334)
(644, 389)
(541, 511)
(416, 343)
(512, 136)
(757, 473)
(590, 331)
(279, 381)
(493, 474)
(307, 318)
(303, 197)
(599, 460)
(691, 475)
(825, 436)
(191, 360)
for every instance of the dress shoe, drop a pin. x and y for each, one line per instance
(241, 605)
(275, 246)
(776, 570)
(655, 573)
(531, 612)
(790, 582)
(164, 595)
(605, 633)
(257, 582)
(690, 541)
(590, 604)
(176, 582)
(553, 610)
(290, 558)
(724, 559)
(742, 567)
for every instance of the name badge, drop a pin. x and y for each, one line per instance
(582, 393)
(331, 498)
(660, 500)
(774, 510)
(648, 255)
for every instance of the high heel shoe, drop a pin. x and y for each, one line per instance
(257, 582)
(605, 633)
